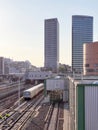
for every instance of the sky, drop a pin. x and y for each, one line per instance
(22, 27)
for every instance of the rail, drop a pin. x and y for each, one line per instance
(21, 116)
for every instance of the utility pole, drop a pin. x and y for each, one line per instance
(19, 93)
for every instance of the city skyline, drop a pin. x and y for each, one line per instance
(22, 27)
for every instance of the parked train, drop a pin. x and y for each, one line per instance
(30, 93)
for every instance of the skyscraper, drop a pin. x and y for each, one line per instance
(51, 40)
(82, 32)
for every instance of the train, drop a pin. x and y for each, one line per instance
(32, 92)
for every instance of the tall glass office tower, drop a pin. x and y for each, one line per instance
(82, 32)
(51, 39)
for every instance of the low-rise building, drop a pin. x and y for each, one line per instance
(83, 104)
(90, 57)
(38, 75)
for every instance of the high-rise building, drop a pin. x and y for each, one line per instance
(82, 32)
(51, 52)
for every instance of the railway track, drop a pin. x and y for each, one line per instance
(35, 115)
(55, 118)
(32, 110)
(20, 115)
(10, 90)
(9, 87)
(11, 114)
(60, 120)
(37, 120)
(8, 100)
(11, 110)
(43, 118)
(46, 118)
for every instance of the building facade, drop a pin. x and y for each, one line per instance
(90, 58)
(83, 103)
(82, 32)
(1, 65)
(38, 75)
(51, 39)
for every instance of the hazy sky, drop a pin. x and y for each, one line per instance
(22, 26)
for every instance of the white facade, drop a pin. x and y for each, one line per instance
(55, 84)
(51, 44)
(38, 75)
(65, 96)
(83, 102)
(13, 70)
(91, 108)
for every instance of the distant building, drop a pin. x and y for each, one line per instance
(7, 62)
(38, 75)
(21, 67)
(8, 66)
(90, 54)
(82, 32)
(1, 65)
(51, 44)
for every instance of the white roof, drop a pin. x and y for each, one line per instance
(34, 87)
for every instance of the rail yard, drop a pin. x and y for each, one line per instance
(32, 113)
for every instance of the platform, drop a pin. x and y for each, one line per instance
(66, 125)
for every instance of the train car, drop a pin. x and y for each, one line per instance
(30, 93)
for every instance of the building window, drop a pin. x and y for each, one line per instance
(96, 70)
(90, 70)
(96, 65)
(86, 65)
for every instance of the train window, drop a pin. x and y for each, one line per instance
(27, 93)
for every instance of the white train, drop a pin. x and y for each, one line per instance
(30, 93)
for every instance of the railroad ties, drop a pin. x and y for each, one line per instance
(53, 121)
(55, 117)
